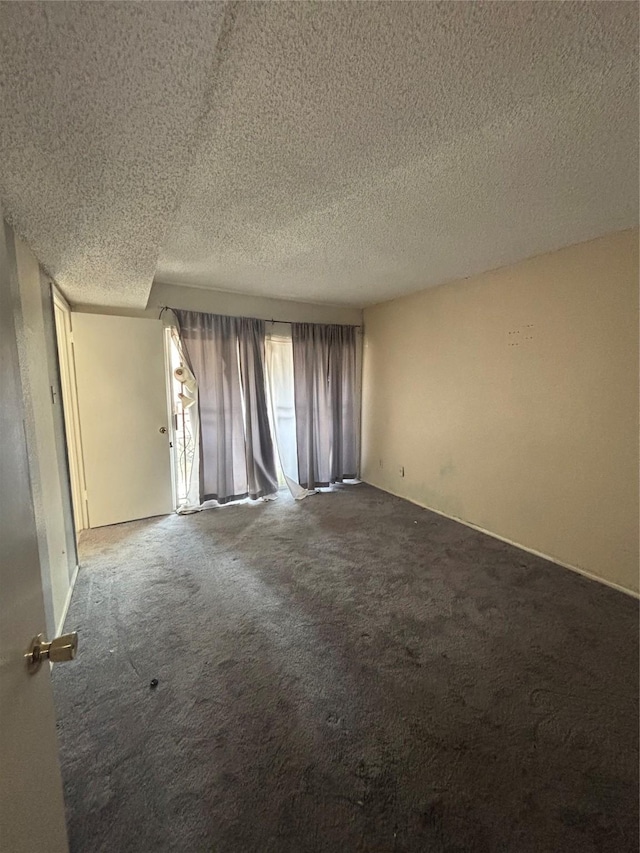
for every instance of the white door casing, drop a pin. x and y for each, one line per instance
(122, 401)
(31, 803)
(66, 363)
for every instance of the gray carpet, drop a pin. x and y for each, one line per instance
(349, 673)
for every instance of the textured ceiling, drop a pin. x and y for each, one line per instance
(98, 106)
(337, 152)
(359, 151)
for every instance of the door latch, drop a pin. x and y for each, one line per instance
(61, 649)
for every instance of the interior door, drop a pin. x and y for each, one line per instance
(122, 402)
(66, 364)
(31, 804)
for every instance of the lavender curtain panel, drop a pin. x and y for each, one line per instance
(236, 450)
(324, 366)
(259, 449)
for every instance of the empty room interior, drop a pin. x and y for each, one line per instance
(320, 511)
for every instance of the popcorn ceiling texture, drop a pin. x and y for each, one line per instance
(337, 152)
(98, 106)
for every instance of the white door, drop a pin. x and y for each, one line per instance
(122, 402)
(66, 364)
(31, 804)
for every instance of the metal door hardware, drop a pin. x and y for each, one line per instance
(61, 649)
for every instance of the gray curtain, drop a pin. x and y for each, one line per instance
(259, 449)
(324, 367)
(226, 356)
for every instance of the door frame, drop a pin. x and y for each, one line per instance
(66, 361)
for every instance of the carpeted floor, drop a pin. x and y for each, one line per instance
(349, 673)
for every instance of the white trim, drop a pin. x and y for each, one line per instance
(65, 609)
(555, 560)
(66, 361)
(59, 298)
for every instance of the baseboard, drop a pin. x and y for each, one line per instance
(65, 609)
(555, 560)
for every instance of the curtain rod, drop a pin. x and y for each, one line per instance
(169, 308)
(354, 325)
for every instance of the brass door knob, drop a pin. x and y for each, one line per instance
(162, 430)
(59, 650)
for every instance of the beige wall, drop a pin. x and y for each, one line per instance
(511, 400)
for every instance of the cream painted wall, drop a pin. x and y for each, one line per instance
(511, 400)
(234, 305)
(43, 425)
